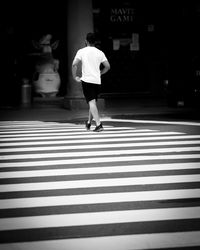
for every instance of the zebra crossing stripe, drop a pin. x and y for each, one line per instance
(72, 132)
(93, 146)
(100, 170)
(83, 141)
(85, 135)
(33, 124)
(100, 160)
(99, 153)
(110, 217)
(109, 182)
(151, 121)
(60, 129)
(125, 242)
(102, 198)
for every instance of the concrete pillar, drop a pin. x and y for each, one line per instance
(79, 23)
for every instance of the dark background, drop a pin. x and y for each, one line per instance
(21, 22)
(170, 52)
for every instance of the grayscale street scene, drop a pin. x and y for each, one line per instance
(100, 125)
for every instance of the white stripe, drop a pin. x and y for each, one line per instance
(82, 219)
(100, 198)
(100, 170)
(20, 122)
(75, 133)
(59, 129)
(91, 134)
(150, 121)
(110, 182)
(6, 123)
(29, 121)
(99, 153)
(122, 242)
(169, 137)
(93, 146)
(17, 129)
(28, 125)
(35, 124)
(99, 160)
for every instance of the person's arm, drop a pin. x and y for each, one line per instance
(106, 67)
(74, 70)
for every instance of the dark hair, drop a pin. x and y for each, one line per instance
(90, 38)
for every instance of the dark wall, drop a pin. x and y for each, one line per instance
(133, 71)
(170, 51)
(184, 52)
(20, 23)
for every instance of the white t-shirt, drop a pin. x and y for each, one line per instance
(91, 58)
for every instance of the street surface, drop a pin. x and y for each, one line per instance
(136, 185)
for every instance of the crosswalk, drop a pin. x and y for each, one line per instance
(62, 187)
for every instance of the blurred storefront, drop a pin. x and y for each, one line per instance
(153, 46)
(133, 34)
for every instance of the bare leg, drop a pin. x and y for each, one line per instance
(94, 111)
(90, 117)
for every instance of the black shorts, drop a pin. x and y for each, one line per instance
(90, 91)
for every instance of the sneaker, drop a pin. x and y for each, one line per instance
(87, 125)
(98, 128)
